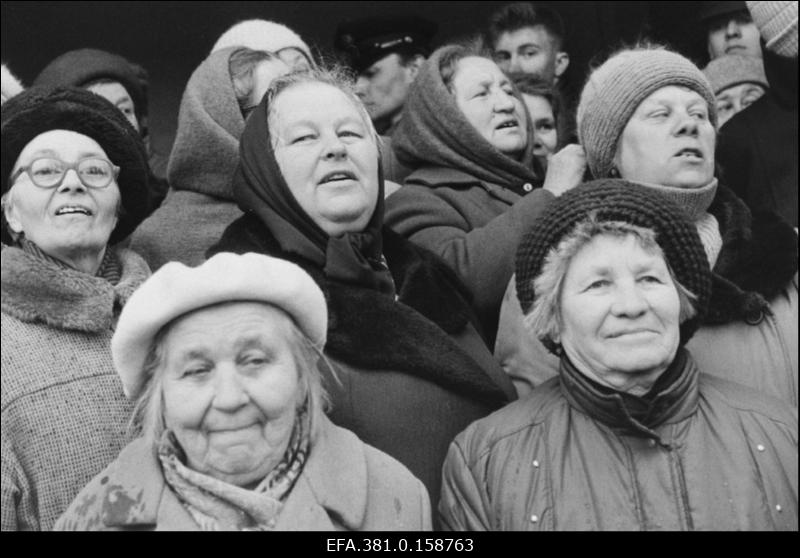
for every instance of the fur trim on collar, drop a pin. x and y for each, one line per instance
(757, 260)
(369, 330)
(34, 290)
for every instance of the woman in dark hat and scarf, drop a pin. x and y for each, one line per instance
(409, 369)
(477, 185)
(74, 184)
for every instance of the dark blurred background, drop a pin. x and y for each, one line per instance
(171, 38)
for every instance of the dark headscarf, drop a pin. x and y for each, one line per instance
(260, 188)
(434, 131)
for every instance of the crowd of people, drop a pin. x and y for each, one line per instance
(420, 289)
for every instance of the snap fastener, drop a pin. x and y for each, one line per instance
(534, 518)
(760, 447)
(651, 443)
(527, 186)
(536, 463)
(779, 508)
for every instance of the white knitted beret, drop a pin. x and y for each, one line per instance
(260, 34)
(176, 289)
(777, 23)
(10, 84)
(614, 91)
(734, 69)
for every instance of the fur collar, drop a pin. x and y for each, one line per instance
(37, 291)
(369, 330)
(757, 260)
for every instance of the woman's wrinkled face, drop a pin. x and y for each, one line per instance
(735, 99)
(486, 98)
(545, 135)
(68, 218)
(620, 313)
(231, 389)
(669, 140)
(327, 156)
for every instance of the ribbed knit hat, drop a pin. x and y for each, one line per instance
(41, 109)
(735, 69)
(80, 67)
(619, 200)
(777, 23)
(260, 34)
(614, 91)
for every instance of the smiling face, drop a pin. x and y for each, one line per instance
(545, 135)
(231, 389)
(115, 93)
(620, 313)
(736, 99)
(327, 155)
(70, 218)
(733, 34)
(669, 140)
(486, 98)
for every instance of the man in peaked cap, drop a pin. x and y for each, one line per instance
(729, 29)
(387, 53)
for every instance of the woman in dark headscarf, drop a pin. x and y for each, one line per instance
(477, 183)
(410, 369)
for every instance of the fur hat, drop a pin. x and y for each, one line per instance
(614, 91)
(260, 34)
(619, 200)
(82, 66)
(41, 109)
(176, 289)
(10, 84)
(777, 23)
(735, 69)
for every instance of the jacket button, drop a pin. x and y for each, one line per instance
(527, 186)
(651, 443)
(779, 508)
(534, 518)
(536, 463)
(760, 447)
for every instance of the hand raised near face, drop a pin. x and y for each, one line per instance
(565, 169)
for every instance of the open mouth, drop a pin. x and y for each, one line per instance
(337, 176)
(507, 124)
(690, 153)
(73, 210)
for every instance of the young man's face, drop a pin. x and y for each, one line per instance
(383, 87)
(531, 50)
(733, 34)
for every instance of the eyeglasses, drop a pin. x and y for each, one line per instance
(47, 172)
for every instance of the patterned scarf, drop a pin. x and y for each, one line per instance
(110, 268)
(220, 506)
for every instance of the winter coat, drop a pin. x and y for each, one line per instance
(408, 374)
(715, 456)
(345, 485)
(199, 204)
(64, 416)
(739, 342)
(757, 148)
(472, 225)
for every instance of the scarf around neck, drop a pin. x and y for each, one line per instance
(260, 189)
(110, 268)
(434, 132)
(216, 505)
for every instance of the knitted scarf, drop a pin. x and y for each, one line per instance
(260, 189)
(110, 268)
(434, 132)
(220, 506)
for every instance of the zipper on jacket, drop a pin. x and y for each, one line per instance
(685, 513)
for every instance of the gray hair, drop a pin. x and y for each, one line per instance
(335, 76)
(544, 321)
(148, 414)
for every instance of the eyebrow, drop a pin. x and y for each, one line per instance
(528, 45)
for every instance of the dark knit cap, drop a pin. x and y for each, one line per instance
(619, 200)
(41, 109)
(711, 9)
(82, 66)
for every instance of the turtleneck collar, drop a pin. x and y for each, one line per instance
(695, 201)
(673, 397)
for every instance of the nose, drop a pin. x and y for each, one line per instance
(71, 181)
(628, 301)
(503, 102)
(732, 29)
(687, 125)
(335, 149)
(229, 394)
(361, 87)
(513, 64)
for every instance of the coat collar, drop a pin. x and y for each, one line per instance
(35, 290)
(433, 177)
(413, 334)
(334, 484)
(757, 260)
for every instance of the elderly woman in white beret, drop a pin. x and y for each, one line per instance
(223, 361)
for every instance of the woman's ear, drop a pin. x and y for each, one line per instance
(11, 213)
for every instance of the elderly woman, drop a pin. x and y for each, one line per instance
(410, 369)
(476, 185)
(220, 95)
(223, 361)
(632, 435)
(74, 184)
(659, 130)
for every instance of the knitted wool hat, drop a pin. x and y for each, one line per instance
(82, 66)
(260, 34)
(41, 109)
(176, 289)
(619, 200)
(777, 23)
(614, 91)
(735, 69)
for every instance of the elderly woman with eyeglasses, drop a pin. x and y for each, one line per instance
(74, 184)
